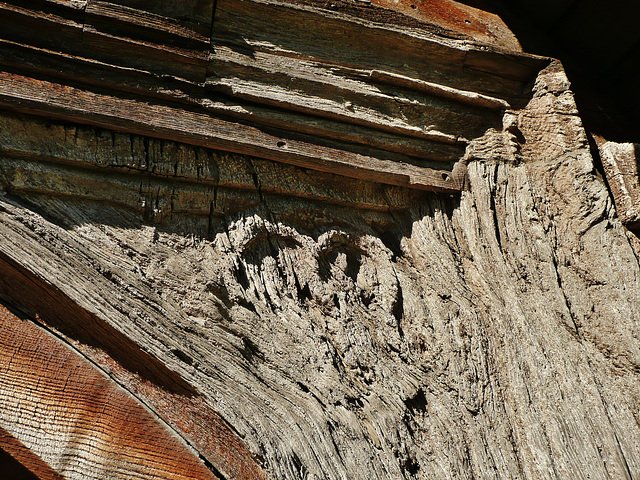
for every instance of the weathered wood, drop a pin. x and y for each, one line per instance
(487, 335)
(162, 178)
(171, 398)
(60, 29)
(304, 76)
(195, 15)
(461, 96)
(458, 18)
(288, 322)
(339, 40)
(23, 463)
(311, 87)
(67, 103)
(28, 59)
(620, 163)
(137, 39)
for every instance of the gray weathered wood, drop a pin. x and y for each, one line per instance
(488, 336)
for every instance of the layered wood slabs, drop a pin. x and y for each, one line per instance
(326, 87)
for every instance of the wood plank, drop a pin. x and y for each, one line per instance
(430, 146)
(26, 465)
(135, 172)
(483, 27)
(78, 420)
(143, 55)
(136, 38)
(68, 103)
(142, 24)
(339, 40)
(75, 305)
(522, 68)
(460, 96)
(40, 28)
(195, 14)
(326, 91)
(103, 75)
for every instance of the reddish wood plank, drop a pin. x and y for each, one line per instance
(76, 419)
(26, 459)
(482, 26)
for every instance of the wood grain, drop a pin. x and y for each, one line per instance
(492, 334)
(620, 163)
(68, 103)
(170, 396)
(75, 161)
(383, 108)
(76, 419)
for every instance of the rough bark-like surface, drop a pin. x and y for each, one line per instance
(489, 336)
(620, 164)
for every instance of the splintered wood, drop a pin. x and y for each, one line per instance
(329, 89)
(620, 163)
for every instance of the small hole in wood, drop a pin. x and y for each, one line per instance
(467, 21)
(414, 7)
(281, 144)
(446, 177)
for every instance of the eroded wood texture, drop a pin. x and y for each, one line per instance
(396, 106)
(620, 162)
(492, 334)
(75, 418)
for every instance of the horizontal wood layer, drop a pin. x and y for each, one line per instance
(348, 94)
(25, 94)
(161, 179)
(418, 144)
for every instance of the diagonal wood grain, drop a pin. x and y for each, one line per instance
(76, 419)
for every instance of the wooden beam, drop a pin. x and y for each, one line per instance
(24, 94)
(173, 399)
(75, 418)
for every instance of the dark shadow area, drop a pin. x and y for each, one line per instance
(599, 46)
(17, 462)
(12, 469)
(353, 256)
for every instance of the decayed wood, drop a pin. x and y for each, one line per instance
(354, 119)
(60, 29)
(462, 96)
(171, 397)
(103, 433)
(620, 162)
(195, 15)
(407, 52)
(307, 86)
(459, 18)
(432, 146)
(283, 325)
(144, 41)
(67, 103)
(161, 178)
(487, 335)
